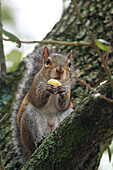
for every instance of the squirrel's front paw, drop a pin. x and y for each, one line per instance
(50, 88)
(61, 89)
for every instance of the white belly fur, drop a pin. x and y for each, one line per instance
(49, 113)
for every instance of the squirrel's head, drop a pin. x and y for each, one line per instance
(56, 66)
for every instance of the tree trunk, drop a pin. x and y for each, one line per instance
(2, 57)
(81, 139)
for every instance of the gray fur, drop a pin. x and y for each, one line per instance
(33, 64)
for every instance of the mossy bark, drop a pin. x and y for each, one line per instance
(80, 139)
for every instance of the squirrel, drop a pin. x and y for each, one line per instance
(44, 106)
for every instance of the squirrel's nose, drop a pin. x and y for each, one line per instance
(59, 70)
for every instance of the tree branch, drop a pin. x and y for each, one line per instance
(74, 43)
(100, 95)
(4, 117)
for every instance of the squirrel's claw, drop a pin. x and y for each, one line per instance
(50, 88)
(61, 89)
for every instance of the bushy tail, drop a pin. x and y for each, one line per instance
(33, 63)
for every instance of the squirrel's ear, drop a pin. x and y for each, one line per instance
(45, 53)
(69, 55)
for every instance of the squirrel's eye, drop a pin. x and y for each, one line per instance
(48, 62)
(69, 64)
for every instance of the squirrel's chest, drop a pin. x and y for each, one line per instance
(51, 105)
(49, 116)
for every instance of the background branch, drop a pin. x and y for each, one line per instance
(74, 43)
(100, 95)
(107, 70)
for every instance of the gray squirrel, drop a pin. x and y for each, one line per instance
(40, 106)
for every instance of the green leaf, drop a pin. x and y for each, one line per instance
(14, 57)
(102, 44)
(11, 37)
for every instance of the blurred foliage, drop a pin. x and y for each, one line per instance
(8, 86)
(7, 12)
(8, 17)
(15, 57)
